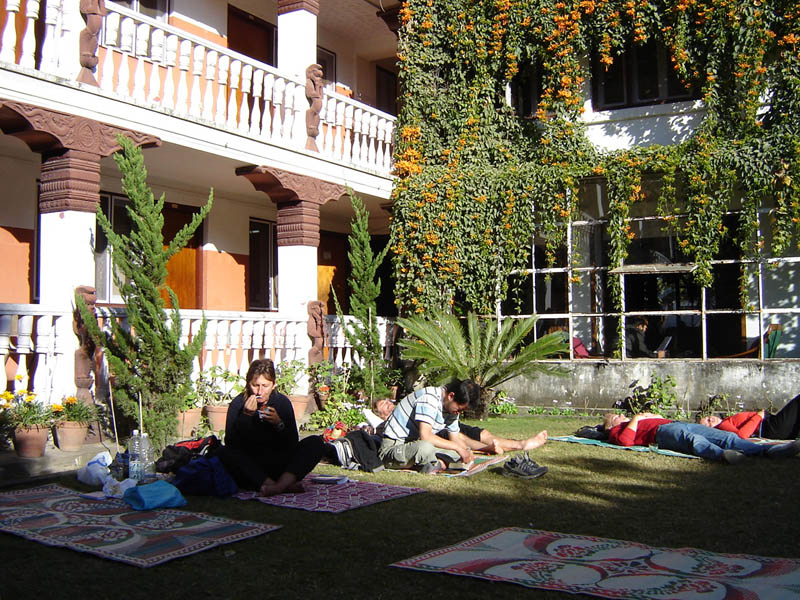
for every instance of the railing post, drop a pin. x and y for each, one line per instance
(266, 126)
(208, 96)
(236, 67)
(110, 41)
(50, 45)
(157, 58)
(141, 50)
(170, 61)
(255, 114)
(29, 36)
(8, 52)
(244, 107)
(277, 103)
(288, 112)
(184, 57)
(198, 60)
(222, 82)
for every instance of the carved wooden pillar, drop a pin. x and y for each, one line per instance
(92, 12)
(70, 181)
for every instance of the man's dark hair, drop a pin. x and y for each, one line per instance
(637, 321)
(466, 392)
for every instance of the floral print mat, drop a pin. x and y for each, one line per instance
(109, 528)
(612, 568)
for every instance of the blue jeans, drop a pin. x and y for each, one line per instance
(702, 441)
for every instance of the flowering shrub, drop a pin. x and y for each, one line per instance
(21, 409)
(72, 409)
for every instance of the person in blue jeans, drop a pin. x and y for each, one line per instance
(689, 438)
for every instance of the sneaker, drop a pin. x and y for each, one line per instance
(523, 467)
(732, 457)
(431, 468)
(784, 450)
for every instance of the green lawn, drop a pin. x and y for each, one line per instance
(658, 500)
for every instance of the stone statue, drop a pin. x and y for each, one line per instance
(316, 331)
(84, 355)
(92, 12)
(314, 95)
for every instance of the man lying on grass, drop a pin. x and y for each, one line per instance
(689, 438)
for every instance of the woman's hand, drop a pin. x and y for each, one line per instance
(271, 416)
(251, 404)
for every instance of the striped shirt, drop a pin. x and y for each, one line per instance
(422, 406)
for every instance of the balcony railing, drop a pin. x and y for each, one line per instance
(164, 68)
(37, 343)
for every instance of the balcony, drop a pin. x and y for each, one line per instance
(191, 93)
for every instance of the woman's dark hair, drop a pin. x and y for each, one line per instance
(261, 366)
(465, 391)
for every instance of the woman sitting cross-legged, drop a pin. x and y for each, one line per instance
(262, 449)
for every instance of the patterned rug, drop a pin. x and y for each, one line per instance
(335, 497)
(612, 568)
(57, 516)
(590, 442)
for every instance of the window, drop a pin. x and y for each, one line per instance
(640, 76)
(182, 269)
(155, 9)
(525, 90)
(657, 284)
(263, 273)
(385, 91)
(327, 60)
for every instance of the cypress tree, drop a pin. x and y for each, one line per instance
(146, 357)
(362, 333)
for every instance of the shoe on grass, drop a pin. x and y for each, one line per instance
(431, 468)
(523, 467)
(784, 450)
(732, 457)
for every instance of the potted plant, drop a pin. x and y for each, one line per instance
(190, 415)
(215, 388)
(71, 422)
(287, 375)
(29, 420)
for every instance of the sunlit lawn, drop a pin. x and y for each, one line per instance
(658, 500)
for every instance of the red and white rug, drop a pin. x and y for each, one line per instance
(335, 497)
(109, 528)
(612, 568)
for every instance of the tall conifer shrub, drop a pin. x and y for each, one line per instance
(146, 358)
(362, 332)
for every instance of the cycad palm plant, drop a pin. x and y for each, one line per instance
(481, 351)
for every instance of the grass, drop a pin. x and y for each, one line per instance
(658, 500)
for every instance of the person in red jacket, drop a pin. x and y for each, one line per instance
(783, 425)
(689, 438)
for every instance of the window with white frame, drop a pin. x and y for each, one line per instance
(263, 271)
(113, 206)
(640, 76)
(657, 285)
(155, 9)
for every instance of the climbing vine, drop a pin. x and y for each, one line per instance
(474, 181)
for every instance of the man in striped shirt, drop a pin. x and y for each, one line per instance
(410, 436)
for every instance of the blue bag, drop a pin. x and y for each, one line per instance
(158, 494)
(205, 477)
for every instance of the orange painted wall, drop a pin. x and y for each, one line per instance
(224, 280)
(16, 248)
(198, 31)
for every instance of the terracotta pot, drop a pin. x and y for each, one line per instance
(70, 435)
(29, 442)
(188, 420)
(216, 416)
(301, 405)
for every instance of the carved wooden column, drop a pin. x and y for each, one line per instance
(298, 198)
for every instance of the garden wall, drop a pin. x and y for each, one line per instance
(589, 385)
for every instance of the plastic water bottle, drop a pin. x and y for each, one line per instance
(148, 459)
(136, 464)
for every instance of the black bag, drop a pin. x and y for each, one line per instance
(592, 432)
(180, 454)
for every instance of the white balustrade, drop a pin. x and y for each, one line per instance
(201, 79)
(8, 50)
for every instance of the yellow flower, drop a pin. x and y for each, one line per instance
(18, 377)
(57, 408)
(70, 400)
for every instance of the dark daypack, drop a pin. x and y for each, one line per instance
(593, 432)
(176, 456)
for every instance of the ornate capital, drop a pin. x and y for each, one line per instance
(298, 223)
(287, 6)
(70, 181)
(51, 132)
(282, 185)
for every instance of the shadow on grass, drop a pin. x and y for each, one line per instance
(657, 500)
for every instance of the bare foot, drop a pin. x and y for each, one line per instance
(494, 447)
(534, 442)
(272, 488)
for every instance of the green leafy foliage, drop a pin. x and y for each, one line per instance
(362, 330)
(287, 374)
(481, 350)
(147, 358)
(658, 397)
(474, 181)
(340, 402)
